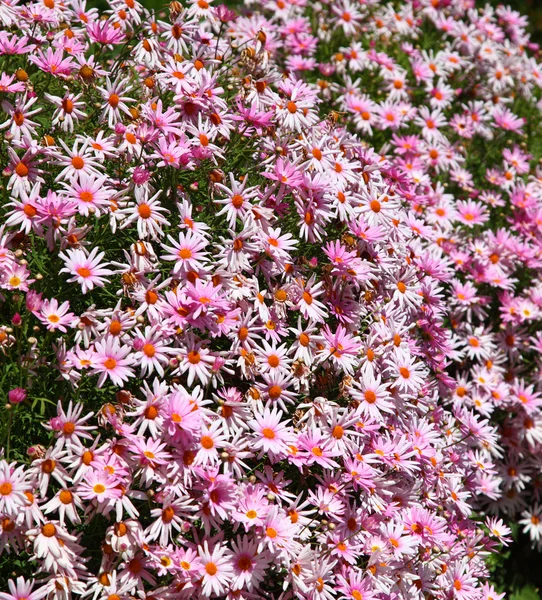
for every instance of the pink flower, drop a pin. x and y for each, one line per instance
(85, 268)
(13, 485)
(217, 569)
(54, 316)
(341, 348)
(53, 62)
(100, 487)
(272, 436)
(16, 395)
(22, 590)
(187, 253)
(113, 360)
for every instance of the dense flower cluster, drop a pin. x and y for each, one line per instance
(271, 281)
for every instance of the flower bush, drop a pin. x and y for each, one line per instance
(271, 299)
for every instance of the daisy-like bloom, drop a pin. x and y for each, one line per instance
(116, 100)
(12, 488)
(406, 290)
(354, 585)
(8, 84)
(85, 269)
(499, 530)
(252, 508)
(25, 173)
(69, 426)
(276, 389)
(340, 348)
(373, 396)
(279, 531)
(462, 583)
(151, 456)
(69, 110)
(53, 544)
(77, 161)
(277, 246)
(505, 119)
(249, 563)
(187, 253)
(285, 173)
(55, 316)
(103, 31)
(102, 144)
(152, 350)
(407, 371)
(113, 360)
(272, 435)
(211, 439)
(19, 121)
(26, 212)
(65, 503)
(237, 203)
(23, 590)
(99, 486)
(16, 277)
(273, 359)
(197, 361)
(217, 570)
(90, 193)
(181, 421)
(53, 62)
(307, 342)
(309, 306)
(149, 217)
(168, 519)
(532, 522)
(297, 111)
(318, 448)
(401, 544)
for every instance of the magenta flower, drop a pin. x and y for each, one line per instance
(17, 395)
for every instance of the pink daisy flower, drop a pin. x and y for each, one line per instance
(85, 269)
(54, 316)
(249, 563)
(22, 590)
(272, 436)
(99, 486)
(217, 569)
(12, 488)
(113, 361)
(188, 253)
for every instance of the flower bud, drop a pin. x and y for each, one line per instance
(16, 395)
(140, 175)
(138, 344)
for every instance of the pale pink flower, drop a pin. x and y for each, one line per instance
(86, 269)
